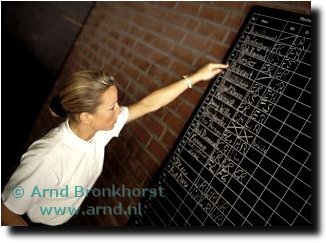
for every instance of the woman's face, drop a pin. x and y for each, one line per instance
(107, 112)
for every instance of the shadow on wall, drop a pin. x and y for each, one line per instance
(26, 84)
(36, 39)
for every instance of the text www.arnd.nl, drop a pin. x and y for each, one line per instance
(93, 210)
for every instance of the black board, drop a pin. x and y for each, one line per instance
(244, 157)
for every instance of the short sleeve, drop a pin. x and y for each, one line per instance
(30, 178)
(121, 121)
(106, 136)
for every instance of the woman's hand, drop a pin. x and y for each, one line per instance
(207, 72)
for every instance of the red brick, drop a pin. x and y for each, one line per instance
(155, 26)
(118, 173)
(174, 104)
(131, 72)
(148, 23)
(115, 34)
(120, 25)
(173, 33)
(84, 38)
(108, 168)
(157, 150)
(149, 37)
(85, 63)
(80, 50)
(161, 44)
(132, 146)
(152, 125)
(136, 171)
(234, 20)
(230, 37)
(105, 53)
(136, 31)
(143, 157)
(132, 90)
(203, 85)
(212, 14)
(128, 41)
(102, 37)
(141, 134)
(143, 80)
(90, 30)
(183, 54)
(94, 46)
(150, 83)
(147, 162)
(180, 69)
(160, 59)
(188, 8)
(121, 81)
(155, 11)
(192, 24)
(166, 4)
(124, 53)
(97, 62)
(234, 5)
(175, 123)
(203, 60)
(117, 62)
(185, 111)
(112, 45)
(198, 43)
(137, 6)
(218, 51)
(116, 145)
(161, 112)
(193, 96)
(123, 176)
(176, 19)
(168, 139)
(210, 30)
(143, 49)
(141, 92)
(123, 11)
(153, 71)
(141, 63)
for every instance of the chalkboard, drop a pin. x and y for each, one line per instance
(244, 157)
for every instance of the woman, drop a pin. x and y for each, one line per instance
(72, 154)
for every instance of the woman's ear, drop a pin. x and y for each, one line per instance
(85, 118)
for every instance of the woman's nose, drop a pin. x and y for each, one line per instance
(118, 109)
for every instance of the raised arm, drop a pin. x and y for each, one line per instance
(165, 95)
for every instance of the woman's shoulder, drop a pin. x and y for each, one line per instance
(48, 144)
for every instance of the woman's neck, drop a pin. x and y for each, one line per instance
(82, 131)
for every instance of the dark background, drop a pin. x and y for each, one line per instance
(36, 39)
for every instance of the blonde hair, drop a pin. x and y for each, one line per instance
(81, 93)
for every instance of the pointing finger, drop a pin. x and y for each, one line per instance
(221, 65)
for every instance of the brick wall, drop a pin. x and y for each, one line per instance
(147, 45)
